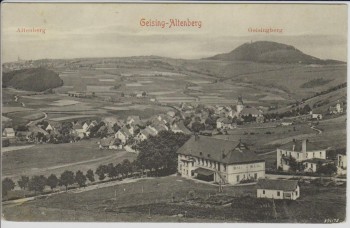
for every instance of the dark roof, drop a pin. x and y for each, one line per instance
(219, 150)
(224, 120)
(183, 128)
(250, 110)
(284, 185)
(77, 126)
(9, 130)
(310, 146)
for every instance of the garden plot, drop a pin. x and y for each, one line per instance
(94, 88)
(65, 102)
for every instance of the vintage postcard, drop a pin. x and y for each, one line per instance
(162, 112)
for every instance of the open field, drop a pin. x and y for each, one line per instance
(134, 201)
(48, 158)
(266, 139)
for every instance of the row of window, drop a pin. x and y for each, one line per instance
(286, 194)
(288, 153)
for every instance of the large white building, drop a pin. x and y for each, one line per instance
(278, 189)
(302, 151)
(219, 161)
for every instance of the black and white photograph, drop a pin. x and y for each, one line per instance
(174, 112)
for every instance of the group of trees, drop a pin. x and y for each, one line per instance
(67, 178)
(327, 169)
(113, 171)
(158, 153)
(290, 113)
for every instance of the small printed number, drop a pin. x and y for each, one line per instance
(333, 220)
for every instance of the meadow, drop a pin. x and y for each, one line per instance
(162, 199)
(48, 158)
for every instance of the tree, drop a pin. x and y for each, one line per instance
(126, 167)
(80, 178)
(23, 182)
(211, 122)
(101, 171)
(37, 184)
(159, 152)
(118, 169)
(67, 178)
(52, 181)
(66, 128)
(7, 185)
(111, 171)
(293, 165)
(22, 128)
(328, 169)
(197, 126)
(90, 175)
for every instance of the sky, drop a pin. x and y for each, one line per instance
(113, 30)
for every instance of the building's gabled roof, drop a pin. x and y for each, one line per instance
(125, 131)
(107, 141)
(9, 130)
(135, 118)
(159, 127)
(77, 126)
(219, 150)
(297, 144)
(148, 131)
(223, 120)
(283, 185)
(181, 127)
(250, 111)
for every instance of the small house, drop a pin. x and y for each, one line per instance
(223, 123)
(8, 133)
(278, 189)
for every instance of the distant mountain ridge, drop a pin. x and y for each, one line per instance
(270, 52)
(33, 79)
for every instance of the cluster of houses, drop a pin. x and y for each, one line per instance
(308, 156)
(225, 116)
(135, 130)
(228, 162)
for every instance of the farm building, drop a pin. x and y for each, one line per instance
(110, 143)
(123, 134)
(146, 133)
(286, 123)
(300, 150)
(315, 116)
(180, 127)
(251, 111)
(219, 161)
(224, 123)
(278, 189)
(8, 133)
(337, 109)
(312, 165)
(133, 119)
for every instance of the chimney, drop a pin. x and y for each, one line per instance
(303, 146)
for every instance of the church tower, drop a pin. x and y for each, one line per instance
(240, 104)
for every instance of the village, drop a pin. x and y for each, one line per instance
(203, 156)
